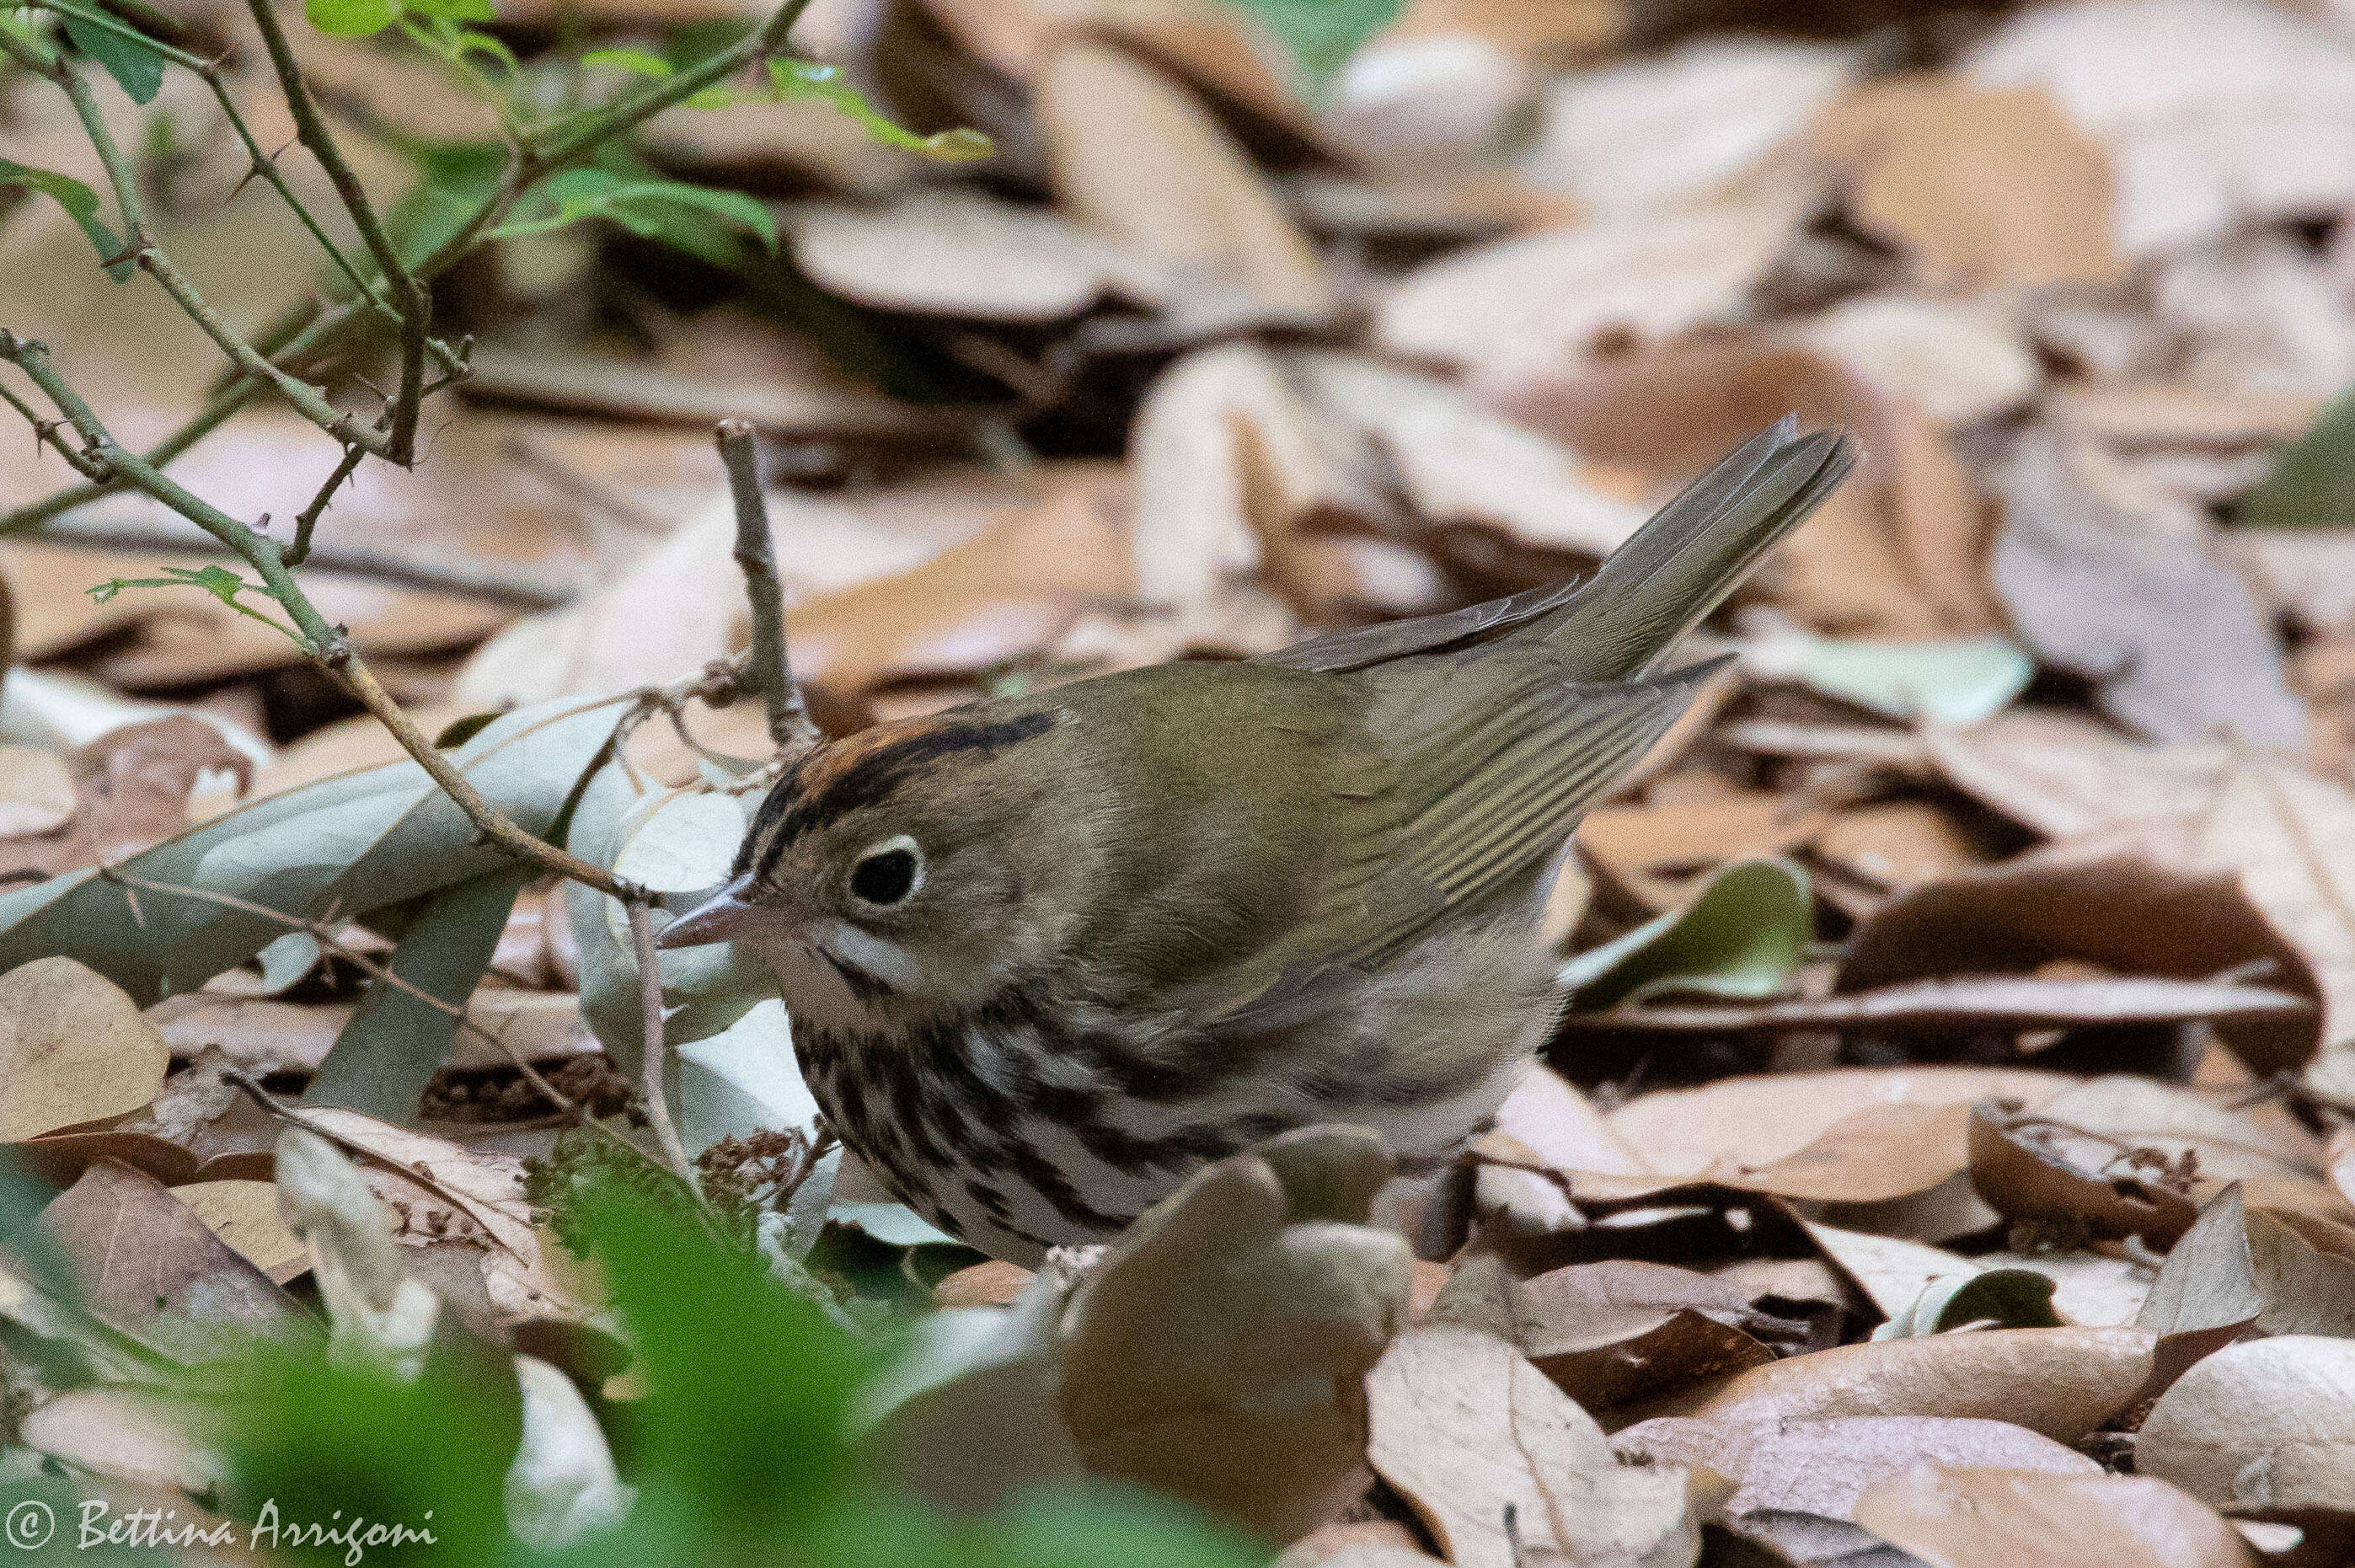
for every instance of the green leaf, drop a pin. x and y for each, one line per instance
(1322, 33)
(636, 61)
(647, 208)
(81, 203)
(216, 579)
(808, 78)
(389, 1051)
(2313, 482)
(1742, 936)
(345, 846)
(457, 11)
(352, 18)
(136, 69)
(2006, 1298)
(1960, 681)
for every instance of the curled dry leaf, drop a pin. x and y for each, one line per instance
(1615, 1332)
(1822, 1467)
(1465, 1428)
(1896, 551)
(1233, 468)
(1968, 1516)
(1137, 158)
(1982, 187)
(2127, 913)
(1220, 1350)
(2031, 1168)
(130, 1433)
(1545, 304)
(2257, 1269)
(73, 1048)
(2267, 1426)
(2061, 1382)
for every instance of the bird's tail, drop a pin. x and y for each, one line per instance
(1693, 552)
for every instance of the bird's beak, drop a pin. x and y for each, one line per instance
(725, 913)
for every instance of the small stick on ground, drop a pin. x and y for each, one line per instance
(767, 668)
(651, 1053)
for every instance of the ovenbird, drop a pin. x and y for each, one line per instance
(1047, 954)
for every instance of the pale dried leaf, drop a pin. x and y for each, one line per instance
(73, 1048)
(1966, 1516)
(1464, 1427)
(2061, 1382)
(2265, 1425)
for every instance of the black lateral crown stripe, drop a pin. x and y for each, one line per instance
(874, 777)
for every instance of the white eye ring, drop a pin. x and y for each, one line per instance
(886, 858)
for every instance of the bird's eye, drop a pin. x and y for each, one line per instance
(888, 874)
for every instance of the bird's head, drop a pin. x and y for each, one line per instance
(904, 873)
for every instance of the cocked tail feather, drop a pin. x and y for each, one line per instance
(1681, 564)
(1663, 582)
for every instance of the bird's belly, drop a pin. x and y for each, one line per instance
(1016, 1129)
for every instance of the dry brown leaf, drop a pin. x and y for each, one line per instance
(2030, 1167)
(1377, 1543)
(1870, 1156)
(2066, 775)
(1615, 1332)
(1233, 468)
(1137, 158)
(1983, 187)
(2268, 1424)
(131, 787)
(1460, 462)
(2259, 1269)
(1959, 363)
(993, 1284)
(475, 1208)
(1683, 834)
(246, 1215)
(1896, 551)
(2215, 114)
(148, 1266)
(2229, 1144)
(1463, 1426)
(1680, 126)
(1429, 106)
(2108, 579)
(1752, 1122)
(1894, 846)
(2061, 1382)
(957, 252)
(1545, 304)
(2341, 1157)
(1221, 1349)
(1822, 1467)
(1213, 48)
(2130, 916)
(1973, 1518)
(73, 1049)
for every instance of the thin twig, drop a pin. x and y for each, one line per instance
(358, 560)
(409, 297)
(651, 1055)
(325, 935)
(327, 646)
(308, 517)
(768, 670)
